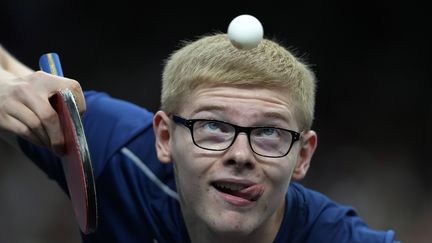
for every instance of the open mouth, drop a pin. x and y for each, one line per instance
(249, 192)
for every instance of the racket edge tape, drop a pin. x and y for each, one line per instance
(85, 159)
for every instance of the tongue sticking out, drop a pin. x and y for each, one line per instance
(251, 193)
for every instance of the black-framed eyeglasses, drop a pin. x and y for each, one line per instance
(214, 135)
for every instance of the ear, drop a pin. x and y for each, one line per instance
(161, 129)
(308, 145)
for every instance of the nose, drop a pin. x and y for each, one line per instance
(240, 154)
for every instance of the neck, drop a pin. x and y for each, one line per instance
(199, 232)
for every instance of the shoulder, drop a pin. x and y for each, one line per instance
(324, 220)
(111, 123)
(101, 103)
(317, 206)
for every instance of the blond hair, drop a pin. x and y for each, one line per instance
(213, 60)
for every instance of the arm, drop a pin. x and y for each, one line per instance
(25, 110)
(12, 65)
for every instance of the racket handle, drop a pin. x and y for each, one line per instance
(50, 63)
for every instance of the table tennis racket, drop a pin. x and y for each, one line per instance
(76, 161)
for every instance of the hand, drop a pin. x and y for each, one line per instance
(25, 109)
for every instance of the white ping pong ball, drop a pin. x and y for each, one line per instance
(245, 32)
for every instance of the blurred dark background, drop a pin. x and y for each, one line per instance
(372, 115)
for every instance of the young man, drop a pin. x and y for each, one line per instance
(214, 165)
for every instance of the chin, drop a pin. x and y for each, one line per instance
(234, 223)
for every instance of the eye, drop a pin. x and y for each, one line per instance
(212, 126)
(267, 132)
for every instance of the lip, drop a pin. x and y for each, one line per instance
(246, 194)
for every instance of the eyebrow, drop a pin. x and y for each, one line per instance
(268, 115)
(210, 108)
(276, 115)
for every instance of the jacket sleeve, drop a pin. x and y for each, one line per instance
(108, 123)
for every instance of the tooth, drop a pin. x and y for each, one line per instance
(232, 187)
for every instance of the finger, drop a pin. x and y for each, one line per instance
(48, 117)
(78, 94)
(11, 124)
(80, 99)
(26, 116)
(51, 84)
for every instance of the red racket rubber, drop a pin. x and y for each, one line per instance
(76, 161)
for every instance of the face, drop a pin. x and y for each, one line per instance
(234, 191)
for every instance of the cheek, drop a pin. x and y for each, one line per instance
(184, 175)
(189, 166)
(190, 159)
(182, 160)
(279, 172)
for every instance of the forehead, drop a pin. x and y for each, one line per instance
(246, 102)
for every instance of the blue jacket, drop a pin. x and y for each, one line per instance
(136, 194)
